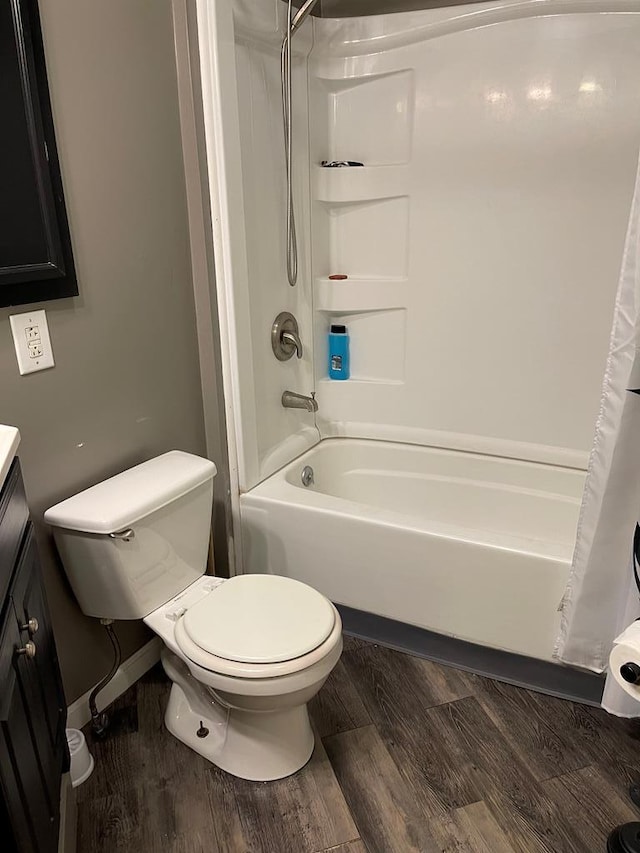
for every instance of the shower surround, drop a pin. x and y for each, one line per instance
(482, 240)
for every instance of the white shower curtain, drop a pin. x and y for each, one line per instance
(601, 597)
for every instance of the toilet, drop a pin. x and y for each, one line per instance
(244, 655)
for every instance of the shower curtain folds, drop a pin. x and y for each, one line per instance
(601, 597)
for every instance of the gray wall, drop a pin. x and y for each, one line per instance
(126, 384)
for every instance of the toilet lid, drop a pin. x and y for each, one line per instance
(260, 619)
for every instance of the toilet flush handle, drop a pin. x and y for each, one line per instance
(123, 534)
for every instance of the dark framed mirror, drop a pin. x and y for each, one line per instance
(36, 260)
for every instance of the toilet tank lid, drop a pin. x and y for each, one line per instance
(120, 501)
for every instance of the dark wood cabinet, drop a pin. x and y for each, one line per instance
(33, 748)
(36, 260)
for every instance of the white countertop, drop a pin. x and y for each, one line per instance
(9, 441)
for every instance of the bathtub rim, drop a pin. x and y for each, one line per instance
(278, 489)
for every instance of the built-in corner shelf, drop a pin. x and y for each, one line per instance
(360, 183)
(360, 294)
(341, 386)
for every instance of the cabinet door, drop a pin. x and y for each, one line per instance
(33, 750)
(43, 673)
(32, 823)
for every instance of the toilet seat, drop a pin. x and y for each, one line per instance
(258, 626)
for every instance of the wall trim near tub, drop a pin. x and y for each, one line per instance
(545, 677)
(78, 714)
(203, 274)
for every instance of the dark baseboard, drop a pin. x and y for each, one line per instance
(545, 677)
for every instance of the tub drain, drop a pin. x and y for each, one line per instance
(307, 475)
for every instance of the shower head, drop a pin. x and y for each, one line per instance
(302, 14)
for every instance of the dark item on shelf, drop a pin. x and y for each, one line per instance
(338, 164)
(338, 277)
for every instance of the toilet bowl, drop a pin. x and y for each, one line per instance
(249, 718)
(244, 655)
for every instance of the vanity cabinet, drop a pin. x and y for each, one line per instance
(33, 747)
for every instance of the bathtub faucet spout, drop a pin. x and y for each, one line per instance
(291, 400)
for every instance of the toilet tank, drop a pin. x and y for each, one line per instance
(133, 542)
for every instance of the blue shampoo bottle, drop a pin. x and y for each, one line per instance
(338, 352)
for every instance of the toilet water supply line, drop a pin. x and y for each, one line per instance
(100, 721)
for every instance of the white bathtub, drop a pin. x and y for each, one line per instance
(471, 546)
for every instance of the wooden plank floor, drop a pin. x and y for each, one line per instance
(410, 756)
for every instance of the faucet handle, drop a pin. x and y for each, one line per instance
(292, 339)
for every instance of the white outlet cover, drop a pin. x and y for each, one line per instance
(31, 341)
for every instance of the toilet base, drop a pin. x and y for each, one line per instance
(256, 746)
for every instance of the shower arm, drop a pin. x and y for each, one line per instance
(301, 15)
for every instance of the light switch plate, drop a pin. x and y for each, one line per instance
(31, 340)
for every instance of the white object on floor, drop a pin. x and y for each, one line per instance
(82, 762)
(626, 653)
